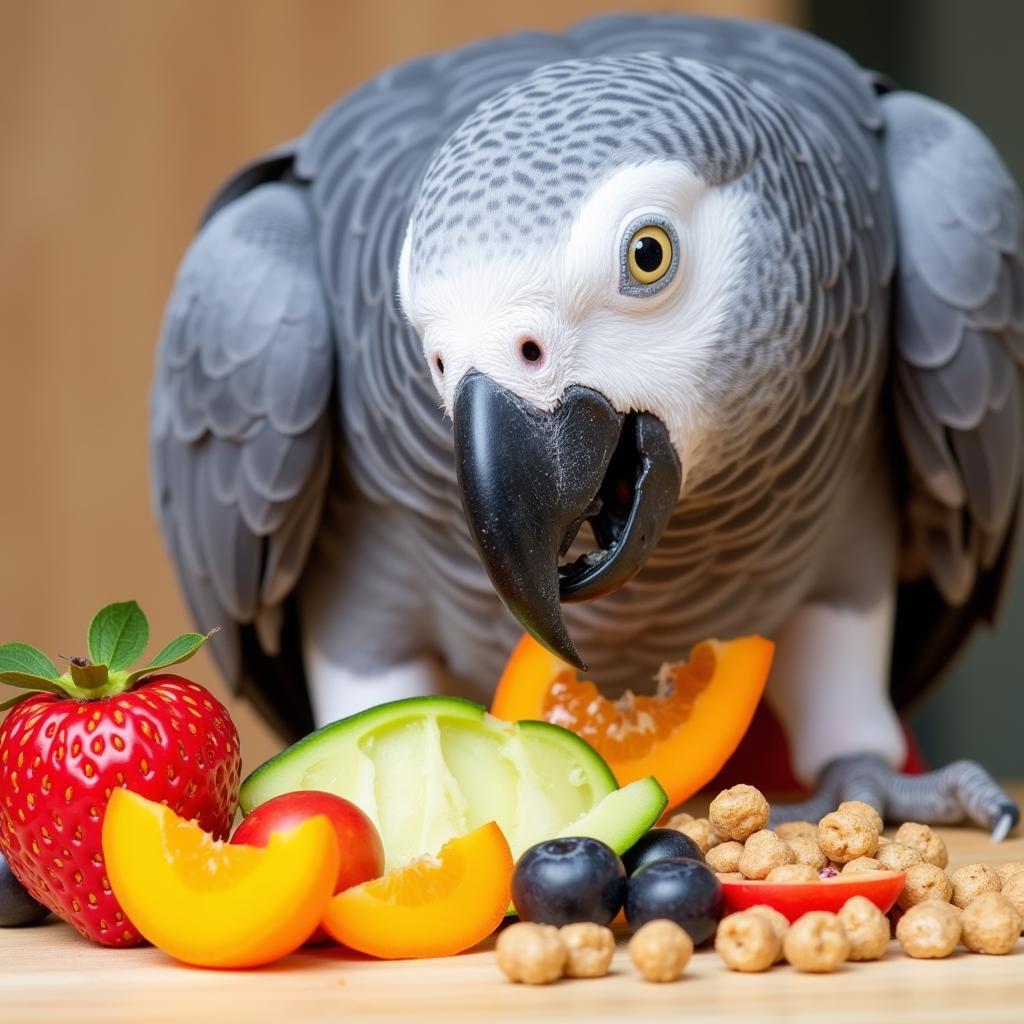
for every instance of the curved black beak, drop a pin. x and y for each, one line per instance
(530, 479)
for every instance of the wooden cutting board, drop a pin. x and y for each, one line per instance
(48, 975)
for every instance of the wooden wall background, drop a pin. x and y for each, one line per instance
(117, 120)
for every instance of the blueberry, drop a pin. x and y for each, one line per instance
(657, 844)
(17, 908)
(682, 890)
(565, 880)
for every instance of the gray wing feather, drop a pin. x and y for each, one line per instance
(240, 427)
(959, 337)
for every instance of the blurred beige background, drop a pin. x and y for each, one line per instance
(119, 118)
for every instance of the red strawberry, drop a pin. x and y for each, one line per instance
(63, 751)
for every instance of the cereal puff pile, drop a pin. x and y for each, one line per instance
(977, 906)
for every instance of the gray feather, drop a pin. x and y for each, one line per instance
(957, 385)
(240, 427)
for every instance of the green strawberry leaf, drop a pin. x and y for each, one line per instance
(16, 699)
(28, 681)
(118, 635)
(180, 649)
(28, 669)
(26, 660)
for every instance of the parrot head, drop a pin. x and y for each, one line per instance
(595, 286)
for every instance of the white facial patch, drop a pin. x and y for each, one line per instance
(643, 352)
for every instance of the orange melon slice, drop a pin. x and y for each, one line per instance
(682, 735)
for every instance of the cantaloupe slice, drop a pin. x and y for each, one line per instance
(682, 735)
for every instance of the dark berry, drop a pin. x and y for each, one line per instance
(657, 844)
(679, 889)
(17, 908)
(566, 880)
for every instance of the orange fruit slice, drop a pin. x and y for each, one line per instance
(682, 735)
(210, 903)
(434, 906)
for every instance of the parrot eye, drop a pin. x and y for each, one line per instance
(649, 257)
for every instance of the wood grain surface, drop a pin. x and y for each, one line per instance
(48, 975)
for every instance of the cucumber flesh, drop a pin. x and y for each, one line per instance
(427, 769)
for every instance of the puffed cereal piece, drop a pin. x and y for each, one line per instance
(971, 880)
(778, 921)
(679, 818)
(531, 953)
(763, 851)
(929, 930)
(897, 857)
(725, 856)
(739, 812)
(731, 876)
(990, 924)
(927, 842)
(1008, 870)
(867, 928)
(793, 874)
(700, 831)
(861, 866)
(747, 942)
(791, 829)
(1013, 890)
(590, 948)
(846, 835)
(807, 851)
(816, 943)
(925, 882)
(866, 811)
(660, 950)
(883, 840)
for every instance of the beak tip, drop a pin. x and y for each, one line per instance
(566, 650)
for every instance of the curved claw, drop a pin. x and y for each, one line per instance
(1002, 829)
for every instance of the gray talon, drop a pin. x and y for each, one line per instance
(1002, 828)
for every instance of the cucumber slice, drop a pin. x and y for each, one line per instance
(622, 817)
(427, 769)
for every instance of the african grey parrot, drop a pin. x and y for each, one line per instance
(698, 307)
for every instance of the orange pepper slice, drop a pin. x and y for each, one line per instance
(211, 903)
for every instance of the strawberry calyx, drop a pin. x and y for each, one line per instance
(118, 634)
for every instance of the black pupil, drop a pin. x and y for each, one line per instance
(648, 253)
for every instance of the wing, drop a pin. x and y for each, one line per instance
(240, 428)
(959, 349)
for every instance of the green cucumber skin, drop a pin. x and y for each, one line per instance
(566, 737)
(455, 707)
(645, 795)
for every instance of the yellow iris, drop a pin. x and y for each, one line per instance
(649, 254)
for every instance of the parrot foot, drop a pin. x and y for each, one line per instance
(944, 797)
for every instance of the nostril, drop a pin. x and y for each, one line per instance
(439, 363)
(531, 350)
